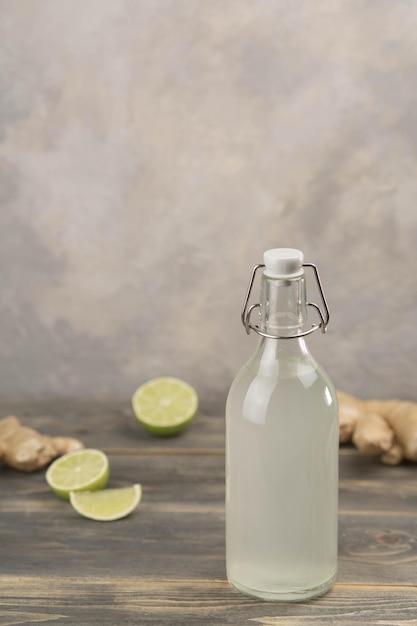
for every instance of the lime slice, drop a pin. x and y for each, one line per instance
(165, 405)
(106, 505)
(78, 471)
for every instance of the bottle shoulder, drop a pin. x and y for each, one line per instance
(297, 379)
(284, 368)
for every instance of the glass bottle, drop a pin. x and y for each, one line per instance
(282, 447)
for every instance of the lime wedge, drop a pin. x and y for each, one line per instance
(106, 505)
(165, 406)
(78, 471)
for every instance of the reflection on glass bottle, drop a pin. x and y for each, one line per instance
(282, 450)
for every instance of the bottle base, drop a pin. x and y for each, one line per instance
(288, 595)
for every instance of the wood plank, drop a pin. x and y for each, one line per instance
(186, 544)
(378, 549)
(131, 601)
(165, 563)
(199, 480)
(111, 425)
(178, 531)
(355, 465)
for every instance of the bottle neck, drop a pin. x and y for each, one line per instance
(296, 346)
(283, 313)
(283, 307)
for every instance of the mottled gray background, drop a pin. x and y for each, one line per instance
(152, 149)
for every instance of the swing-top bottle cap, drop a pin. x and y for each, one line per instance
(283, 263)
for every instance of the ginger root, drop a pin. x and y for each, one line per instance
(25, 449)
(385, 428)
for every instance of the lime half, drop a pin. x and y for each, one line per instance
(78, 471)
(165, 406)
(106, 505)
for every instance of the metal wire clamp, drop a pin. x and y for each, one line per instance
(246, 311)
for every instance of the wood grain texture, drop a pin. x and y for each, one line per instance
(165, 563)
(199, 601)
(113, 426)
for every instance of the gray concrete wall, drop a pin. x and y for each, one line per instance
(150, 150)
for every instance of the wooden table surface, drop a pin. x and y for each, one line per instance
(165, 564)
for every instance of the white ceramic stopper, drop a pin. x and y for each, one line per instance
(283, 263)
